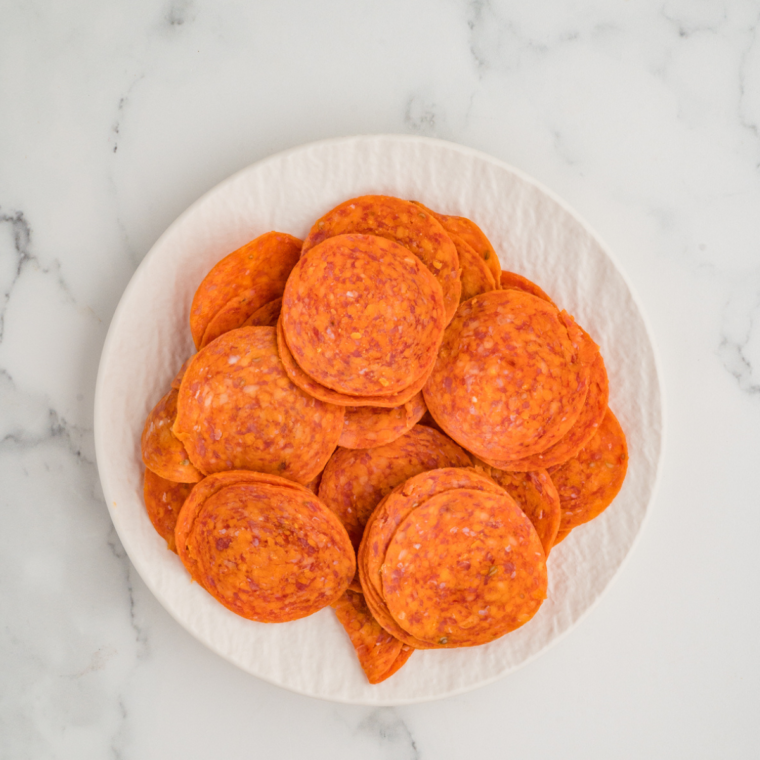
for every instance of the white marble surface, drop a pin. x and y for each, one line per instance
(644, 116)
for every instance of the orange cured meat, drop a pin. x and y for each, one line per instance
(511, 376)
(266, 316)
(258, 270)
(380, 654)
(355, 480)
(268, 552)
(361, 315)
(535, 493)
(468, 231)
(365, 427)
(162, 451)
(384, 521)
(464, 568)
(163, 502)
(237, 409)
(580, 433)
(181, 373)
(588, 483)
(402, 222)
(313, 388)
(513, 281)
(476, 276)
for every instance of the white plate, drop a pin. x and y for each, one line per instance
(534, 233)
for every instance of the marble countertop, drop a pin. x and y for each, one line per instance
(643, 116)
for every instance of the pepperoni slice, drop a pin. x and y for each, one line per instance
(535, 493)
(464, 568)
(476, 276)
(468, 231)
(365, 427)
(237, 409)
(362, 315)
(257, 271)
(511, 376)
(162, 451)
(355, 480)
(588, 483)
(266, 316)
(163, 501)
(591, 416)
(380, 654)
(177, 381)
(269, 552)
(513, 281)
(403, 222)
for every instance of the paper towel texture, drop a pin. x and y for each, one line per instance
(533, 233)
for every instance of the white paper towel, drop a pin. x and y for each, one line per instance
(534, 233)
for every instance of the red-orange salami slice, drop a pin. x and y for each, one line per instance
(162, 451)
(237, 410)
(266, 316)
(181, 373)
(268, 552)
(511, 376)
(365, 427)
(476, 276)
(588, 483)
(163, 502)
(362, 315)
(535, 493)
(464, 568)
(313, 388)
(355, 480)
(259, 269)
(468, 231)
(580, 433)
(513, 281)
(384, 521)
(377, 650)
(402, 222)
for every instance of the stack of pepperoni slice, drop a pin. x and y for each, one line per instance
(380, 420)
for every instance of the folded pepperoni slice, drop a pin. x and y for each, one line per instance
(237, 409)
(403, 222)
(513, 281)
(511, 376)
(591, 416)
(266, 316)
(535, 493)
(362, 315)
(476, 276)
(384, 521)
(330, 396)
(258, 271)
(163, 501)
(380, 654)
(588, 483)
(268, 552)
(365, 427)
(464, 568)
(162, 451)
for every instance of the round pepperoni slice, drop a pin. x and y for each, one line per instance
(362, 315)
(266, 316)
(365, 427)
(384, 521)
(588, 483)
(476, 276)
(237, 409)
(591, 416)
(535, 493)
(468, 231)
(380, 654)
(163, 501)
(162, 451)
(313, 388)
(511, 376)
(355, 480)
(268, 552)
(464, 568)
(403, 222)
(257, 271)
(513, 281)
